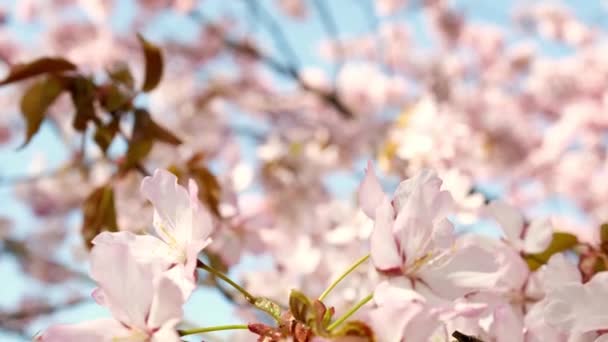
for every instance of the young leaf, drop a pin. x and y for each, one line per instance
(154, 64)
(355, 328)
(299, 305)
(99, 214)
(604, 237)
(104, 134)
(561, 242)
(120, 73)
(145, 133)
(150, 129)
(35, 102)
(37, 67)
(114, 98)
(268, 306)
(82, 91)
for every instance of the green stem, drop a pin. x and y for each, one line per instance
(350, 312)
(210, 329)
(337, 281)
(250, 298)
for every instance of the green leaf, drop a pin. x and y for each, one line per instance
(82, 91)
(559, 243)
(154, 64)
(99, 214)
(37, 67)
(35, 103)
(299, 305)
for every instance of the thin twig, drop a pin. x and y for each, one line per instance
(331, 97)
(329, 24)
(275, 31)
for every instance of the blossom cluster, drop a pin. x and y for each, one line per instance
(428, 282)
(144, 280)
(269, 140)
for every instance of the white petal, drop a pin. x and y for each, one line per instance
(383, 247)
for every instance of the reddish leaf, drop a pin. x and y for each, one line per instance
(36, 101)
(120, 73)
(145, 126)
(114, 98)
(209, 188)
(99, 214)
(104, 134)
(82, 91)
(154, 64)
(37, 67)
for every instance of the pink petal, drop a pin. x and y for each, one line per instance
(370, 194)
(383, 247)
(507, 325)
(538, 236)
(126, 285)
(165, 335)
(166, 309)
(386, 294)
(390, 321)
(203, 222)
(101, 330)
(559, 271)
(509, 218)
(414, 227)
(186, 282)
(170, 200)
(425, 181)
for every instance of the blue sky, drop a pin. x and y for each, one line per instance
(352, 19)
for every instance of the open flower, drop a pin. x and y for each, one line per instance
(573, 307)
(182, 227)
(530, 238)
(145, 303)
(412, 237)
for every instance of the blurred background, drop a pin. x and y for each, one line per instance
(276, 106)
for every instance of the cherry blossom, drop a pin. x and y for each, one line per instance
(145, 303)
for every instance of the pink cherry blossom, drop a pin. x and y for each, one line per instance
(182, 227)
(412, 237)
(145, 303)
(533, 237)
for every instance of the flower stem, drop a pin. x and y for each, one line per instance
(250, 298)
(350, 312)
(210, 329)
(347, 272)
